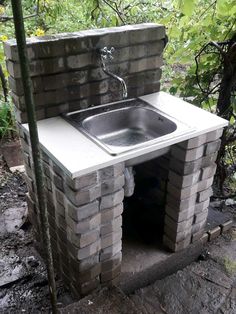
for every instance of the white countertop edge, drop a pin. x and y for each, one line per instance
(111, 160)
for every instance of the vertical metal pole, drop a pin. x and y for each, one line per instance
(29, 101)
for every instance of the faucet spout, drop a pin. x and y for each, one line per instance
(105, 55)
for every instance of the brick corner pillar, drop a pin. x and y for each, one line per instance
(191, 174)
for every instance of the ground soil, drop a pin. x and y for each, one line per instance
(23, 276)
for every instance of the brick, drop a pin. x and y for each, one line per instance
(51, 216)
(112, 200)
(179, 216)
(205, 184)
(84, 181)
(47, 170)
(84, 252)
(60, 209)
(176, 246)
(113, 226)
(50, 99)
(186, 168)
(131, 52)
(57, 169)
(59, 197)
(145, 64)
(184, 181)
(199, 207)
(51, 208)
(201, 216)
(187, 155)
(194, 142)
(45, 157)
(11, 50)
(112, 283)
(88, 286)
(50, 198)
(79, 61)
(182, 193)
(212, 147)
(111, 239)
(181, 204)
(188, 191)
(111, 171)
(48, 183)
(81, 212)
(63, 80)
(53, 48)
(208, 160)
(147, 33)
(204, 195)
(197, 236)
(62, 235)
(88, 275)
(47, 66)
(214, 135)
(226, 226)
(17, 87)
(61, 222)
(84, 225)
(109, 275)
(52, 111)
(208, 172)
(111, 263)
(204, 239)
(214, 233)
(196, 227)
(58, 182)
(177, 236)
(155, 48)
(138, 78)
(84, 264)
(110, 251)
(112, 185)
(62, 248)
(83, 196)
(84, 239)
(109, 214)
(177, 227)
(38, 67)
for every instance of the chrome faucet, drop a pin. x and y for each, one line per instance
(106, 55)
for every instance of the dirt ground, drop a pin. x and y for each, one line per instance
(23, 277)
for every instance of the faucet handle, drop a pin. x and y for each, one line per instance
(106, 53)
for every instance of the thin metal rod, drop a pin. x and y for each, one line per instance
(29, 102)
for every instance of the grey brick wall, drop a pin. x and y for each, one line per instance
(85, 219)
(85, 214)
(192, 169)
(66, 73)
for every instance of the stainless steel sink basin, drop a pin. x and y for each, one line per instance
(123, 126)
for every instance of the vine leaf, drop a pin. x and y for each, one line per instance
(188, 7)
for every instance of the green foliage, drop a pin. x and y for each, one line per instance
(7, 127)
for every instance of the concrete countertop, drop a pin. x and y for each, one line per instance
(78, 155)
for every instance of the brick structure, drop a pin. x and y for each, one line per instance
(85, 213)
(85, 223)
(67, 75)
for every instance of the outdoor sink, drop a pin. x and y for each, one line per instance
(123, 126)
